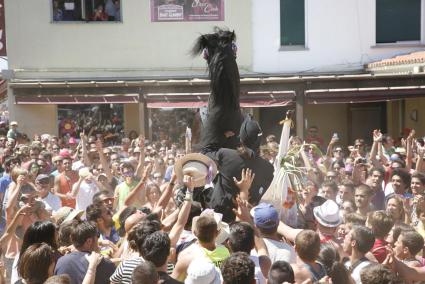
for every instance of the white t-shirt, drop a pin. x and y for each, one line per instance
(52, 202)
(77, 165)
(85, 195)
(280, 251)
(388, 189)
(355, 274)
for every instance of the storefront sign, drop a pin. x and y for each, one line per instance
(2, 30)
(187, 10)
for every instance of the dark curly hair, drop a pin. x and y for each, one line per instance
(241, 237)
(238, 269)
(141, 231)
(156, 248)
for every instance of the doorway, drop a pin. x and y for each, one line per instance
(364, 118)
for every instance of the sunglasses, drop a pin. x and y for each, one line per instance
(128, 174)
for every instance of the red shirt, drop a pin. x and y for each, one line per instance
(379, 250)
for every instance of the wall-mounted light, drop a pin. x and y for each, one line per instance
(414, 115)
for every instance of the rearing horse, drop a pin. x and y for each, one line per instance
(224, 113)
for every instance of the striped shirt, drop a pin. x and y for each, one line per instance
(125, 270)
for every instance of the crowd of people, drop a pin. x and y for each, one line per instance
(77, 211)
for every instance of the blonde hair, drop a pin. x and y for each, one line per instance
(17, 171)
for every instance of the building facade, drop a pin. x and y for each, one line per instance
(304, 54)
(42, 48)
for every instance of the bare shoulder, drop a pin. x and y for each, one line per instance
(300, 272)
(189, 253)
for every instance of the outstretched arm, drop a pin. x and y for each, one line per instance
(136, 192)
(103, 161)
(184, 212)
(141, 162)
(242, 212)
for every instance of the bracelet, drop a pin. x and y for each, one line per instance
(172, 183)
(188, 196)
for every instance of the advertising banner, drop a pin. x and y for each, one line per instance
(187, 10)
(2, 30)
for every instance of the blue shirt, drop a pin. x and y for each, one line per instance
(113, 237)
(75, 264)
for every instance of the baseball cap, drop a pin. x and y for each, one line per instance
(265, 216)
(72, 141)
(42, 177)
(64, 153)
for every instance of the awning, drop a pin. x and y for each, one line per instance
(362, 95)
(100, 99)
(3, 90)
(196, 100)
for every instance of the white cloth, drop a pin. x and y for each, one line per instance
(355, 274)
(280, 251)
(388, 189)
(52, 202)
(259, 277)
(85, 195)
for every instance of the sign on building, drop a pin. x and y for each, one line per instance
(2, 30)
(187, 10)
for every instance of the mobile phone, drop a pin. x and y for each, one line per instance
(335, 136)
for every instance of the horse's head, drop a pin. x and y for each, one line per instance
(218, 43)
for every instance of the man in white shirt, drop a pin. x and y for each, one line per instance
(42, 186)
(266, 219)
(84, 189)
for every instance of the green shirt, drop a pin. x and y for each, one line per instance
(218, 255)
(123, 191)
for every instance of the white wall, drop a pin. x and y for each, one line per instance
(35, 44)
(340, 36)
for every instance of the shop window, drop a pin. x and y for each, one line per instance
(398, 21)
(292, 22)
(170, 124)
(86, 10)
(106, 120)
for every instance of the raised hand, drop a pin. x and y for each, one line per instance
(243, 211)
(377, 135)
(247, 177)
(21, 180)
(147, 171)
(94, 259)
(141, 142)
(188, 182)
(409, 138)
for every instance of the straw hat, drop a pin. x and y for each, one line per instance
(200, 167)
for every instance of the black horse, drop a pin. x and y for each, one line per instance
(224, 113)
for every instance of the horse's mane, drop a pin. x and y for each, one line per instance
(218, 48)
